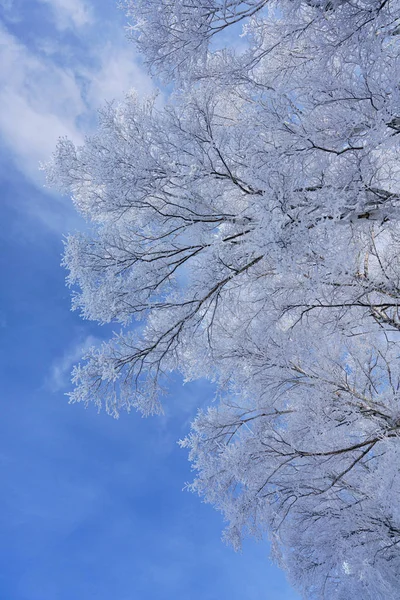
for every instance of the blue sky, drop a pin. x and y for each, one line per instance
(91, 508)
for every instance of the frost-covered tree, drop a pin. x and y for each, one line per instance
(310, 455)
(248, 231)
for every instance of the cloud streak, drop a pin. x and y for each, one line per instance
(40, 102)
(45, 96)
(60, 372)
(70, 13)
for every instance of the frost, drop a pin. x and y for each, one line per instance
(251, 225)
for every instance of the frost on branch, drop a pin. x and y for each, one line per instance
(176, 38)
(248, 232)
(311, 456)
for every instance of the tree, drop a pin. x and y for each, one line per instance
(311, 458)
(251, 225)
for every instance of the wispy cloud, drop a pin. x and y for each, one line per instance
(39, 103)
(43, 99)
(52, 88)
(70, 13)
(52, 84)
(117, 73)
(60, 372)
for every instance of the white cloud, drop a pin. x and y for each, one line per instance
(70, 13)
(39, 103)
(117, 74)
(43, 99)
(60, 372)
